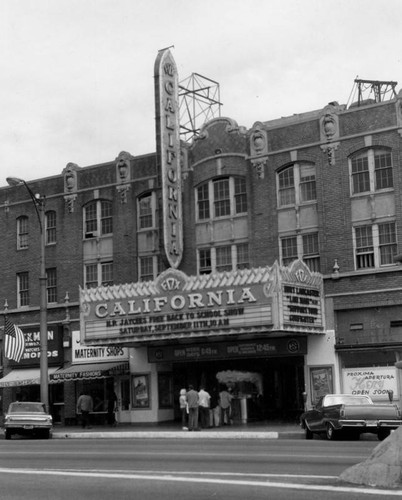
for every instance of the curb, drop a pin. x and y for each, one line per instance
(177, 435)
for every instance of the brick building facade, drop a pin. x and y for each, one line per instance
(320, 189)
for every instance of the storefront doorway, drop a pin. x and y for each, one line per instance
(273, 387)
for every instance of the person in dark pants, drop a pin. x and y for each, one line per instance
(85, 405)
(192, 401)
(111, 408)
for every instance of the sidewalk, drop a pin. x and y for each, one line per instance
(168, 430)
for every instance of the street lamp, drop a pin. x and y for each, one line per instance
(39, 204)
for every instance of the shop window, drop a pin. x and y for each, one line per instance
(51, 285)
(297, 184)
(23, 289)
(98, 274)
(375, 245)
(222, 197)
(50, 227)
(98, 219)
(22, 232)
(371, 171)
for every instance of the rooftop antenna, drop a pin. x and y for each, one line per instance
(199, 100)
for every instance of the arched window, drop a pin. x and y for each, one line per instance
(221, 197)
(371, 171)
(297, 184)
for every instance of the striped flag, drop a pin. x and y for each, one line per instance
(14, 341)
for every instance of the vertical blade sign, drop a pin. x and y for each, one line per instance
(168, 151)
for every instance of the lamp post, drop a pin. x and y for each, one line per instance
(39, 204)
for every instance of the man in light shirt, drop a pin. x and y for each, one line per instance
(203, 407)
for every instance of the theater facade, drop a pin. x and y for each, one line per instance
(256, 331)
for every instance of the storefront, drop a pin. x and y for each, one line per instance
(251, 331)
(98, 371)
(22, 382)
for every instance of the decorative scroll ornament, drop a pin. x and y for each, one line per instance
(329, 130)
(123, 174)
(70, 185)
(259, 148)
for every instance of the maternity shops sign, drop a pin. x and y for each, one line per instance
(177, 306)
(168, 154)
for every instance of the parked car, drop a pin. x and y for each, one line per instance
(26, 418)
(345, 414)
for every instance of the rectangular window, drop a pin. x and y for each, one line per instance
(311, 254)
(106, 273)
(240, 195)
(364, 247)
(22, 233)
(91, 275)
(221, 197)
(242, 256)
(23, 289)
(223, 259)
(50, 221)
(51, 285)
(307, 183)
(106, 218)
(360, 174)
(387, 243)
(91, 225)
(289, 250)
(203, 202)
(145, 212)
(286, 187)
(146, 268)
(383, 170)
(205, 261)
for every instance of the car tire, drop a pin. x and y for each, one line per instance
(383, 434)
(308, 432)
(331, 433)
(7, 434)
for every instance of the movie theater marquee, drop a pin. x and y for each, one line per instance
(177, 306)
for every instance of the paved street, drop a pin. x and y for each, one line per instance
(173, 468)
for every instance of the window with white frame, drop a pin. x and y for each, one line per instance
(297, 184)
(375, 245)
(98, 274)
(303, 246)
(371, 171)
(98, 218)
(222, 197)
(51, 285)
(22, 232)
(50, 227)
(146, 211)
(23, 289)
(223, 258)
(150, 266)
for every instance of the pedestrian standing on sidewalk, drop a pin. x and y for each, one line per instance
(192, 401)
(183, 409)
(225, 402)
(215, 409)
(203, 407)
(85, 405)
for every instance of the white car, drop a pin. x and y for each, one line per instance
(28, 418)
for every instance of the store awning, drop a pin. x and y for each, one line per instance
(90, 371)
(27, 376)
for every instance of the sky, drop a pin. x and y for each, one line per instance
(77, 76)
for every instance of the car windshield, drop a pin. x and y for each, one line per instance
(26, 408)
(350, 400)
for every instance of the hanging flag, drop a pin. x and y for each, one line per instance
(14, 341)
